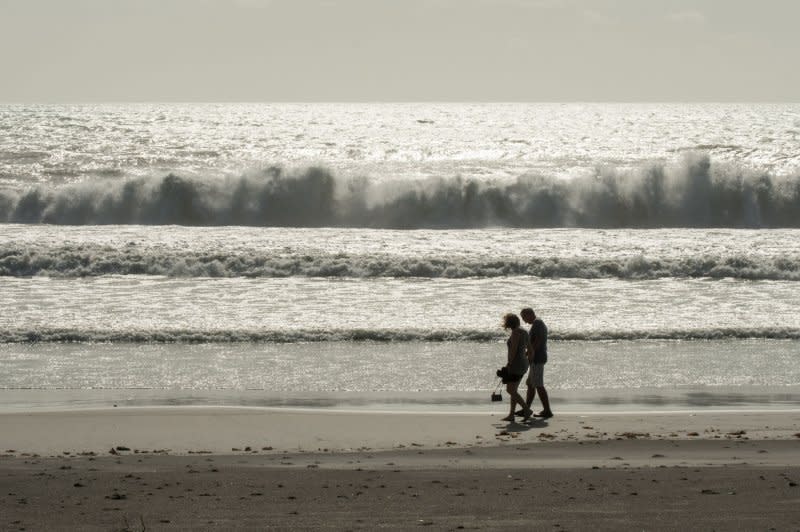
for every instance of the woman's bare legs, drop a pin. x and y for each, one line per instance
(515, 399)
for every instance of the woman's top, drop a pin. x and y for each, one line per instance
(519, 365)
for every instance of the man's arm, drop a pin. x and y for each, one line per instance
(529, 349)
(536, 343)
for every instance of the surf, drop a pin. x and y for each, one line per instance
(693, 192)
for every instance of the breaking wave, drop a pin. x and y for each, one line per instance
(22, 260)
(45, 335)
(690, 193)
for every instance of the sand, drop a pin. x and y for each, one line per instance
(254, 469)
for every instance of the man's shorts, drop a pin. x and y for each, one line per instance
(536, 376)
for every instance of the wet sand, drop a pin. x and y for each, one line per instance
(318, 470)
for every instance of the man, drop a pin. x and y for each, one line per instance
(537, 356)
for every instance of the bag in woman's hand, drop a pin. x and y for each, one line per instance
(496, 396)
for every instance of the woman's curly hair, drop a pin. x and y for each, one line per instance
(510, 321)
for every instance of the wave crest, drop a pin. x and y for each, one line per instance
(691, 193)
(81, 260)
(47, 335)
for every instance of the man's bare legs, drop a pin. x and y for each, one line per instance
(531, 395)
(546, 412)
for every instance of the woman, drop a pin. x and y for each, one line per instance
(517, 364)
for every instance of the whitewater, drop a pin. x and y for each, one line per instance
(267, 254)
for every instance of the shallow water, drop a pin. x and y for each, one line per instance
(394, 367)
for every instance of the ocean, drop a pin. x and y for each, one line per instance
(362, 255)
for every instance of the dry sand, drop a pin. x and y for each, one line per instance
(255, 469)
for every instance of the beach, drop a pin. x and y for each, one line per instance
(211, 468)
(287, 316)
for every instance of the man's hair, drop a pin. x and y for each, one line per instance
(527, 310)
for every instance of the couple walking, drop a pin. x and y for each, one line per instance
(526, 349)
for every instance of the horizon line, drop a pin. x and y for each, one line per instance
(402, 102)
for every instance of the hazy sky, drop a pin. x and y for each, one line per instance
(399, 50)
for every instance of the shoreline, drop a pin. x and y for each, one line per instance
(676, 399)
(220, 430)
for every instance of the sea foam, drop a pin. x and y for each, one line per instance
(184, 335)
(92, 260)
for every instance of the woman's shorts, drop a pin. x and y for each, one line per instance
(512, 378)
